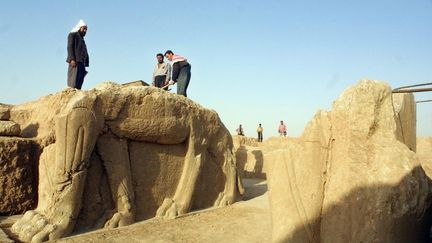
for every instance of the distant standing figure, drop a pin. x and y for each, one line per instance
(181, 72)
(77, 58)
(260, 130)
(239, 130)
(162, 72)
(282, 129)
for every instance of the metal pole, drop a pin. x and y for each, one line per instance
(407, 90)
(415, 85)
(423, 101)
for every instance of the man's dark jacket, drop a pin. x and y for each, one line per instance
(77, 49)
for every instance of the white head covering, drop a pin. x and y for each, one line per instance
(77, 27)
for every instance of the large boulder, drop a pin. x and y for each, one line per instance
(118, 154)
(351, 176)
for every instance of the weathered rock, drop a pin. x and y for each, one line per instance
(243, 140)
(348, 178)
(159, 154)
(295, 175)
(37, 118)
(17, 175)
(4, 112)
(406, 119)
(9, 128)
(249, 157)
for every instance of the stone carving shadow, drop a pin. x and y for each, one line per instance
(348, 219)
(30, 131)
(148, 162)
(241, 159)
(208, 184)
(152, 166)
(259, 164)
(253, 188)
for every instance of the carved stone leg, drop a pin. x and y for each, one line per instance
(181, 202)
(233, 183)
(115, 155)
(76, 133)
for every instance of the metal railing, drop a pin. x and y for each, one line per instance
(414, 89)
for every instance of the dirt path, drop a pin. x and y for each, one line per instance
(246, 221)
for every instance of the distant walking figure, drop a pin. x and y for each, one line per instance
(239, 130)
(260, 130)
(282, 129)
(77, 57)
(162, 72)
(181, 72)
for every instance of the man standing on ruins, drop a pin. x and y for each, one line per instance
(181, 72)
(239, 130)
(77, 57)
(282, 129)
(260, 130)
(161, 73)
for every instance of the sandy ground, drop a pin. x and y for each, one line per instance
(245, 221)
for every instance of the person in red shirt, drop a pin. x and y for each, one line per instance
(282, 129)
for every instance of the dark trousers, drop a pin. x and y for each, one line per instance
(76, 75)
(183, 80)
(159, 81)
(260, 136)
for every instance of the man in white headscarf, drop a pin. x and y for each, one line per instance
(77, 57)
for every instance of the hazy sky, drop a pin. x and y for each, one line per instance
(252, 61)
